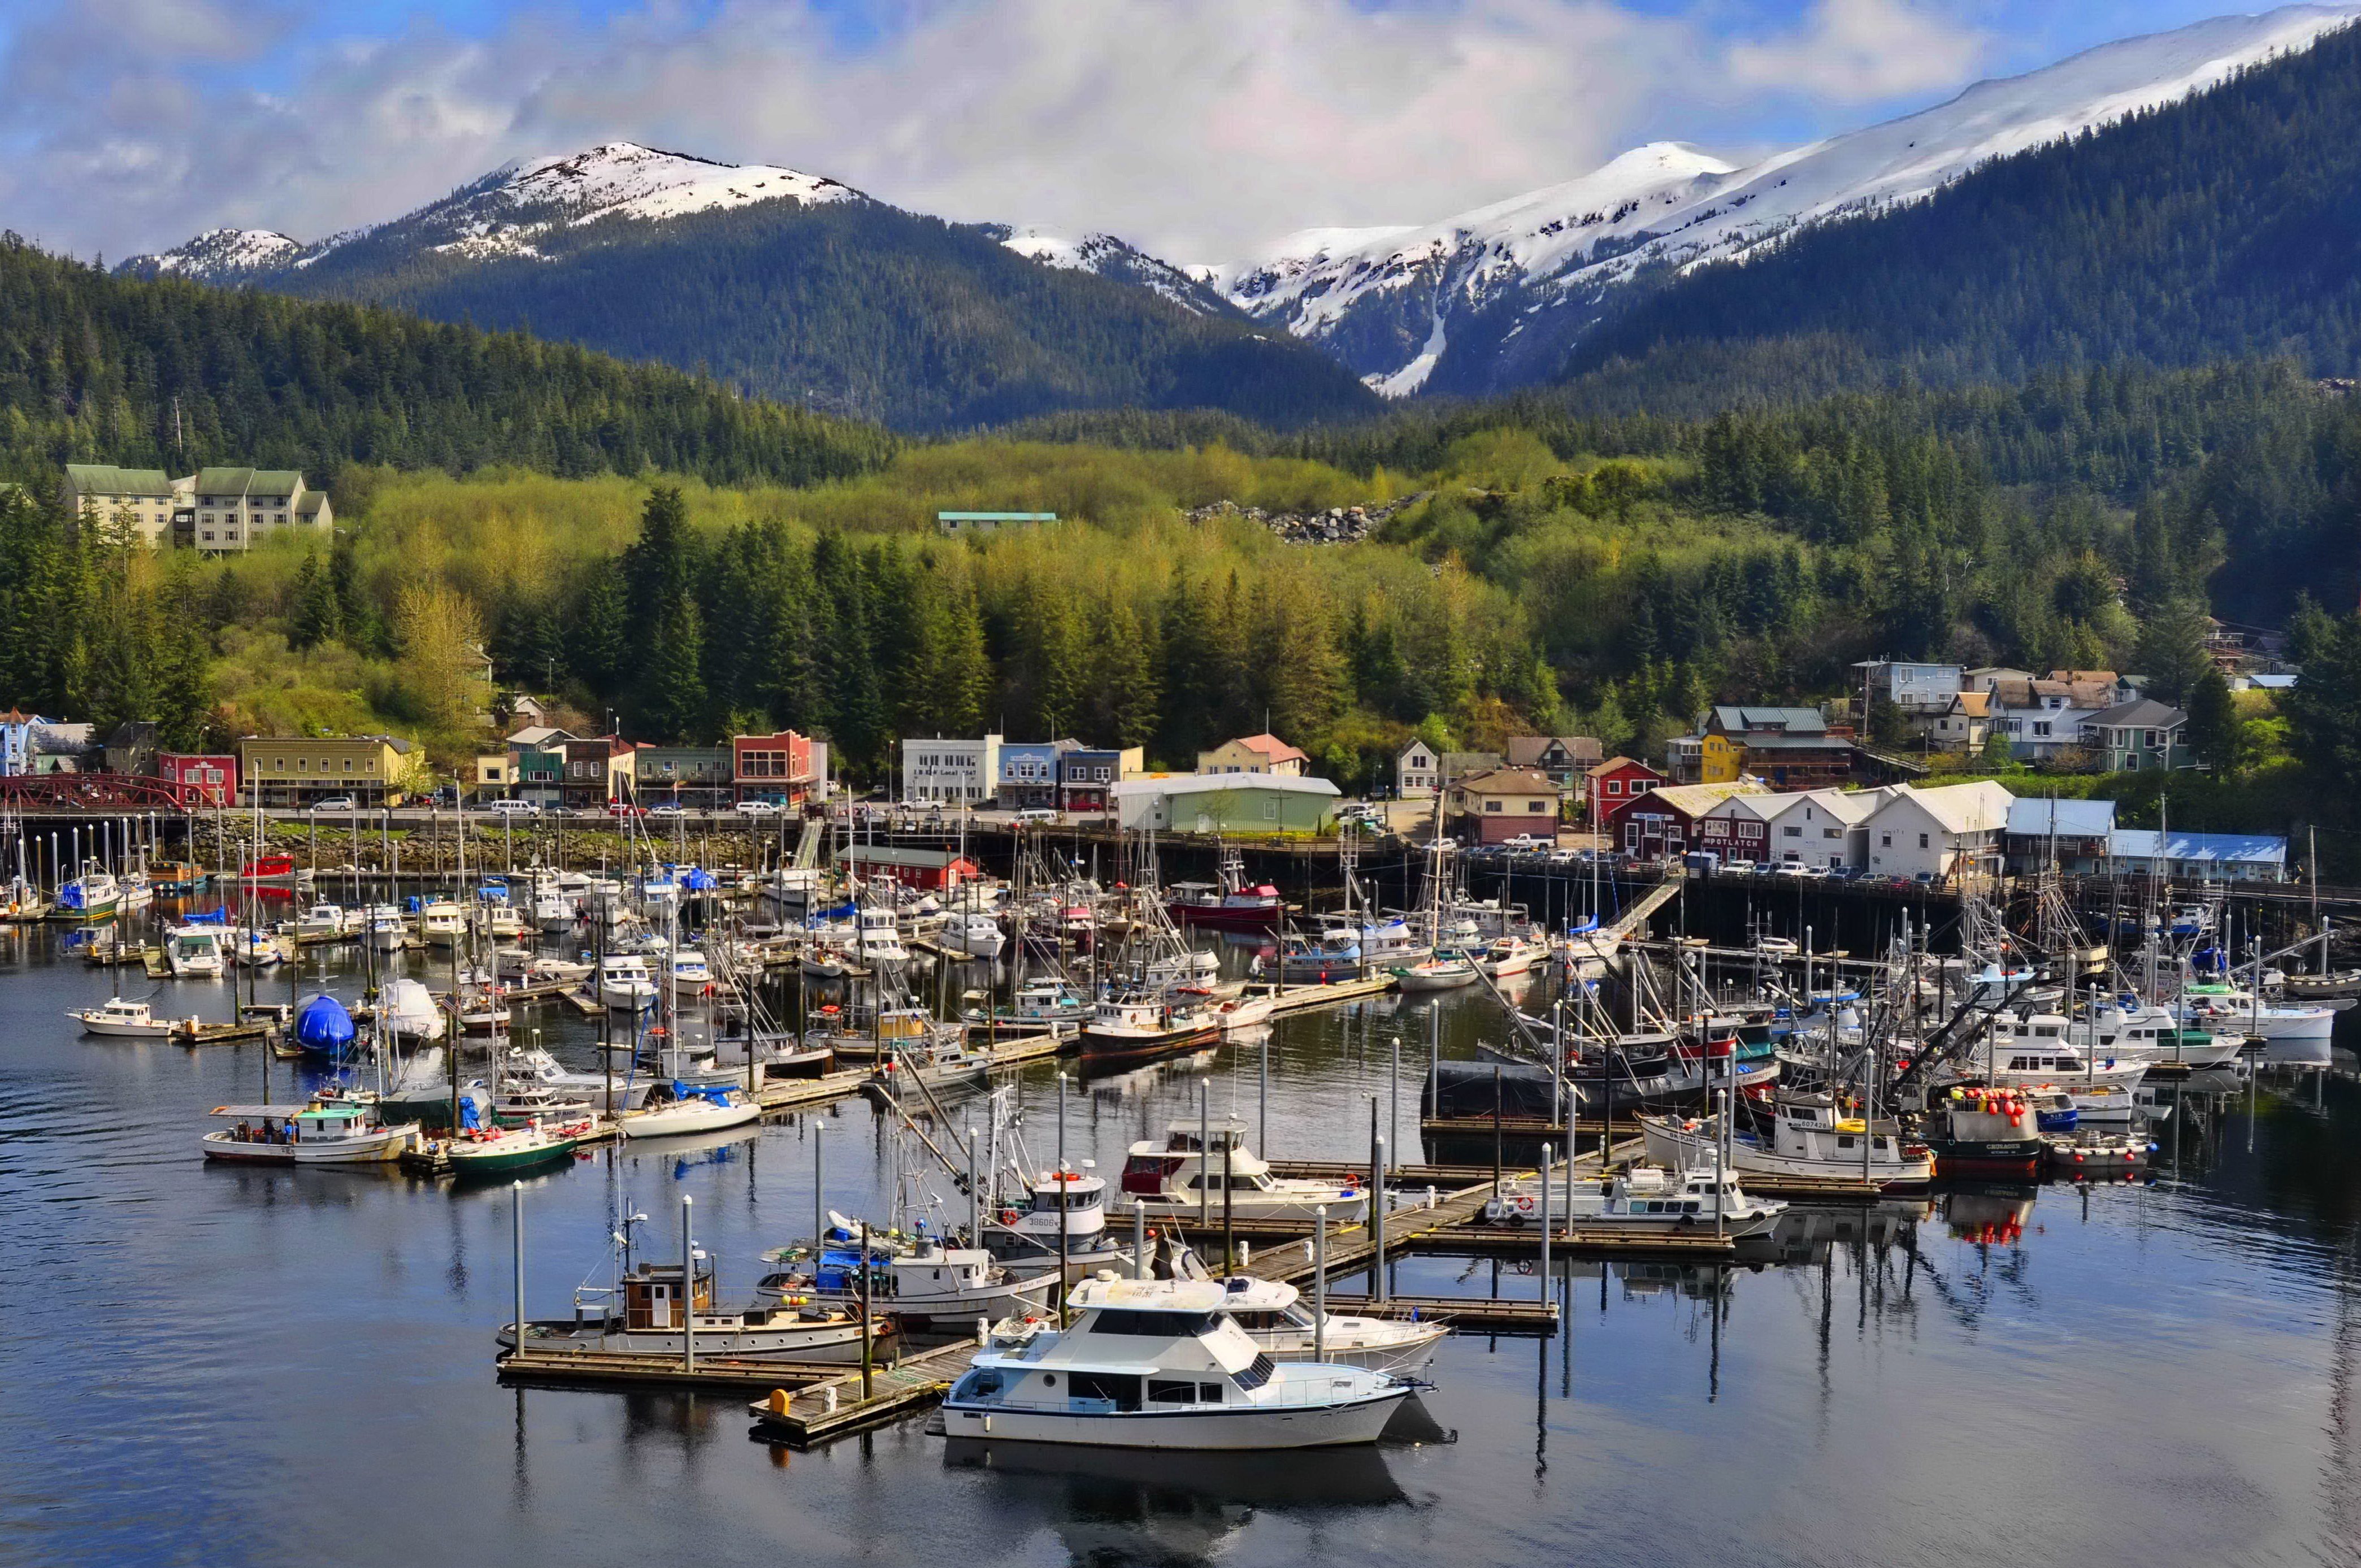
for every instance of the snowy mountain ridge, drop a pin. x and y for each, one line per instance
(1539, 268)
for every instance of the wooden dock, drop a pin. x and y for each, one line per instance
(802, 1418)
(1033, 1047)
(799, 1093)
(1288, 1000)
(606, 1370)
(1496, 1315)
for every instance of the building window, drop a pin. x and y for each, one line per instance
(1791, 833)
(1922, 840)
(1491, 805)
(1885, 840)
(1537, 806)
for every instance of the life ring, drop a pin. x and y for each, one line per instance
(1524, 1204)
(1008, 1216)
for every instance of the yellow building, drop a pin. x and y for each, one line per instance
(1706, 759)
(295, 770)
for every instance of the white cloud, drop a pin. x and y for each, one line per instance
(1198, 127)
(1862, 51)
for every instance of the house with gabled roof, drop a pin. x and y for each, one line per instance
(1955, 832)
(1264, 753)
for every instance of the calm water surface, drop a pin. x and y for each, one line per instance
(223, 1367)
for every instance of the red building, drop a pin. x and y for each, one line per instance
(930, 870)
(1671, 820)
(1616, 782)
(200, 778)
(773, 767)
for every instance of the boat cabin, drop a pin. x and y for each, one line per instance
(651, 1295)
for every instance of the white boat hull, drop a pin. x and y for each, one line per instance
(159, 1029)
(834, 1343)
(1668, 1146)
(1226, 1426)
(380, 1147)
(687, 1117)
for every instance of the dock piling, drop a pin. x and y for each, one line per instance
(1320, 1282)
(688, 1286)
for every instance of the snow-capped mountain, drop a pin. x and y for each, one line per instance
(1104, 256)
(219, 256)
(793, 286)
(515, 209)
(1494, 297)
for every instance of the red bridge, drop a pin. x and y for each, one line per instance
(104, 795)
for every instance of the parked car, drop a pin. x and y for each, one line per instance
(1740, 867)
(758, 808)
(1036, 813)
(668, 808)
(625, 808)
(335, 803)
(513, 807)
(1791, 868)
(1523, 842)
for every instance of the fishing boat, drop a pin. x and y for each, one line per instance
(324, 921)
(1330, 954)
(937, 1061)
(269, 870)
(878, 944)
(345, 1130)
(387, 930)
(176, 879)
(534, 1064)
(93, 896)
(924, 1284)
(1155, 1364)
(2044, 1057)
(651, 1321)
(1136, 1025)
(691, 1109)
(1284, 1326)
(120, 1019)
(1242, 1014)
(625, 983)
(502, 923)
(1976, 1130)
(1808, 1136)
(442, 923)
(972, 934)
(1206, 1170)
(1230, 905)
(2134, 1032)
(1042, 1005)
(689, 973)
(197, 951)
(554, 910)
(1588, 948)
(1640, 1199)
(1064, 1210)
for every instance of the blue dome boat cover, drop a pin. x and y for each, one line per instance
(322, 1024)
(697, 878)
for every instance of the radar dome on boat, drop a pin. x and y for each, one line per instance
(323, 1024)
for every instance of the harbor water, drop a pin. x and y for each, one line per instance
(260, 1366)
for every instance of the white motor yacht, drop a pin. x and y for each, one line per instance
(1641, 1200)
(624, 982)
(879, 944)
(973, 934)
(197, 951)
(1281, 1320)
(1064, 1208)
(125, 1020)
(1181, 1175)
(690, 973)
(442, 923)
(1157, 1363)
(925, 1284)
(388, 931)
(323, 922)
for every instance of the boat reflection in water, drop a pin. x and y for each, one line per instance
(1110, 1505)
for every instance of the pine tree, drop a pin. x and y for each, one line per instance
(313, 613)
(2171, 651)
(1126, 710)
(2217, 733)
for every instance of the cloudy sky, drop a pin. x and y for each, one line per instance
(1203, 128)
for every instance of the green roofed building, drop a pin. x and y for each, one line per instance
(218, 509)
(143, 498)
